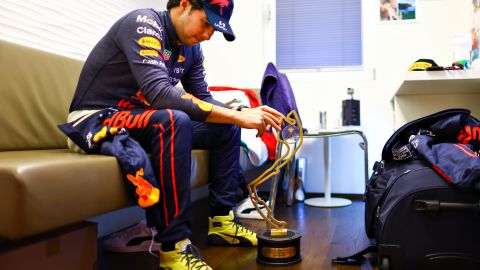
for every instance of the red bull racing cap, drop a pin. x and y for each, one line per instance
(218, 15)
(423, 64)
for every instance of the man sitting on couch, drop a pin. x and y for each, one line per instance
(131, 74)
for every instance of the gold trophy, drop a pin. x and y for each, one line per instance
(278, 245)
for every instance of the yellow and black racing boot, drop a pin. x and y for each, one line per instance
(185, 256)
(227, 231)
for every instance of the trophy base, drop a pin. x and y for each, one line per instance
(279, 250)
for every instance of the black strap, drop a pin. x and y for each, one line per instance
(357, 258)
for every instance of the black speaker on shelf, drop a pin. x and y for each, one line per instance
(351, 110)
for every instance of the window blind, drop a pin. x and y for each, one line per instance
(318, 33)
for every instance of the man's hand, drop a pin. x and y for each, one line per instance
(260, 118)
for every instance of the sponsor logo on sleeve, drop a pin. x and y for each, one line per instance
(139, 97)
(178, 70)
(150, 42)
(166, 54)
(150, 21)
(204, 106)
(148, 53)
(153, 62)
(142, 30)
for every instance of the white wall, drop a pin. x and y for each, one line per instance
(73, 27)
(66, 27)
(389, 49)
(241, 62)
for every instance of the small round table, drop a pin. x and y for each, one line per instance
(328, 200)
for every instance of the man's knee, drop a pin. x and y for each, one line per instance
(181, 119)
(236, 131)
(231, 132)
(173, 119)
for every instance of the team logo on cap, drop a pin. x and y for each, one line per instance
(221, 3)
(221, 25)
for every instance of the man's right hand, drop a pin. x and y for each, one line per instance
(260, 118)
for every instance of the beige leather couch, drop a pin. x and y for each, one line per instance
(44, 186)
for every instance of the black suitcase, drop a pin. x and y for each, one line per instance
(416, 215)
(422, 222)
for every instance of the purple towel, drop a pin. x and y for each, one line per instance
(277, 92)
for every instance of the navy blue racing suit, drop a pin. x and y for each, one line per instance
(132, 72)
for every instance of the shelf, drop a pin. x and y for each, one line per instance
(426, 92)
(442, 82)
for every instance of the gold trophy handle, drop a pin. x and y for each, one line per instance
(292, 121)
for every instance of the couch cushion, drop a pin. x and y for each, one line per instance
(37, 88)
(46, 189)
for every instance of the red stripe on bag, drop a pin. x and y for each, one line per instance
(438, 170)
(465, 149)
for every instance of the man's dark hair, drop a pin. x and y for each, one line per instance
(196, 4)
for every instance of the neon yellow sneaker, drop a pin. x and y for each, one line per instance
(226, 231)
(184, 257)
